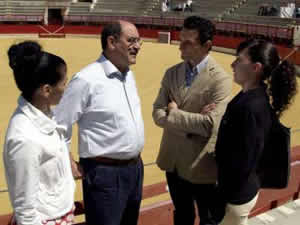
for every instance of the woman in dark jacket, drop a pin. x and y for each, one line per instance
(267, 85)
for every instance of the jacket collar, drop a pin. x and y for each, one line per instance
(39, 119)
(199, 67)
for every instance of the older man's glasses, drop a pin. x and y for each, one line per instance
(134, 41)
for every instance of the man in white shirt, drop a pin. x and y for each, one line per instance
(102, 98)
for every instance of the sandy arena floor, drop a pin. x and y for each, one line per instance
(152, 61)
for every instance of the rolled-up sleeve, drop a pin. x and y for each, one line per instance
(22, 166)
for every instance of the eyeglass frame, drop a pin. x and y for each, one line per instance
(134, 40)
(131, 40)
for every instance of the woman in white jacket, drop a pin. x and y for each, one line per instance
(36, 159)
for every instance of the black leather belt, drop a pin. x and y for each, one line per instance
(115, 162)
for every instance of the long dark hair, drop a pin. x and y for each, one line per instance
(33, 67)
(280, 76)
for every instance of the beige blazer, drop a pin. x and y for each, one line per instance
(189, 137)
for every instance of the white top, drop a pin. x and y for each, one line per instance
(288, 11)
(37, 166)
(107, 111)
(164, 7)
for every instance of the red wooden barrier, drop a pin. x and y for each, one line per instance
(161, 213)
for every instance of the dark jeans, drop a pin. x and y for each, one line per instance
(112, 194)
(184, 194)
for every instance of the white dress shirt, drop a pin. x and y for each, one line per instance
(202, 65)
(37, 166)
(107, 110)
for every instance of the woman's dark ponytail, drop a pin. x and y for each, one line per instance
(282, 86)
(280, 77)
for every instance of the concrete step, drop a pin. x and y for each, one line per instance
(288, 214)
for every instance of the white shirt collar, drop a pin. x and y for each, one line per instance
(202, 64)
(108, 67)
(38, 118)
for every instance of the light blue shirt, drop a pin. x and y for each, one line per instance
(191, 73)
(107, 110)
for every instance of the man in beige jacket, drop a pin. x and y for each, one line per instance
(190, 104)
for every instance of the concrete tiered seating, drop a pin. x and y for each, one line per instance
(213, 8)
(79, 8)
(3, 8)
(26, 7)
(18, 11)
(208, 9)
(118, 7)
(270, 20)
(247, 13)
(104, 7)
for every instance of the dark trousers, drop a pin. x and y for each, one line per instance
(184, 194)
(112, 194)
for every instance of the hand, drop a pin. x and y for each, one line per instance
(77, 170)
(208, 108)
(172, 105)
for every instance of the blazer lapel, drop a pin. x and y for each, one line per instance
(178, 88)
(201, 81)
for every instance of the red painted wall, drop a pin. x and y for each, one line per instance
(219, 40)
(227, 41)
(92, 30)
(19, 29)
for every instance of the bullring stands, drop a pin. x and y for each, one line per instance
(231, 16)
(24, 7)
(79, 8)
(113, 7)
(208, 9)
(28, 11)
(248, 10)
(117, 7)
(221, 10)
